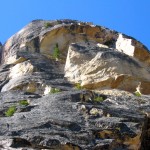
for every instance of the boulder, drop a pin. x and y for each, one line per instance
(96, 66)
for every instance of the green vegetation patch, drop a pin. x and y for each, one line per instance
(56, 52)
(10, 111)
(78, 86)
(138, 94)
(47, 25)
(54, 90)
(98, 99)
(23, 102)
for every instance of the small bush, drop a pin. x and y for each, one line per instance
(98, 99)
(11, 110)
(47, 25)
(78, 86)
(59, 21)
(56, 52)
(55, 90)
(24, 102)
(138, 94)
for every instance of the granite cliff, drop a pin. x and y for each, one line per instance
(70, 85)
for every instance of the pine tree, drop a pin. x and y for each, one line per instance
(56, 53)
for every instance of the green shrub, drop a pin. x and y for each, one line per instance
(138, 94)
(55, 90)
(10, 111)
(56, 52)
(24, 102)
(98, 99)
(59, 21)
(78, 86)
(47, 25)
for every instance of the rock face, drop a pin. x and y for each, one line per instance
(40, 106)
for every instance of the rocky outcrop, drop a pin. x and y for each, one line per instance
(97, 66)
(42, 101)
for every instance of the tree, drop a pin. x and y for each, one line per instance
(56, 52)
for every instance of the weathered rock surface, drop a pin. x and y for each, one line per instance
(103, 116)
(57, 121)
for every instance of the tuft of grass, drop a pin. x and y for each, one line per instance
(47, 25)
(10, 111)
(78, 86)
(98, 99)
(138, 94)
(55, 90)
(23, 102)
(56, 52)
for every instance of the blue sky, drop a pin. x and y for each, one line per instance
(131, 17)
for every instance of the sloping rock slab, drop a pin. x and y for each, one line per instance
(66, 121)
